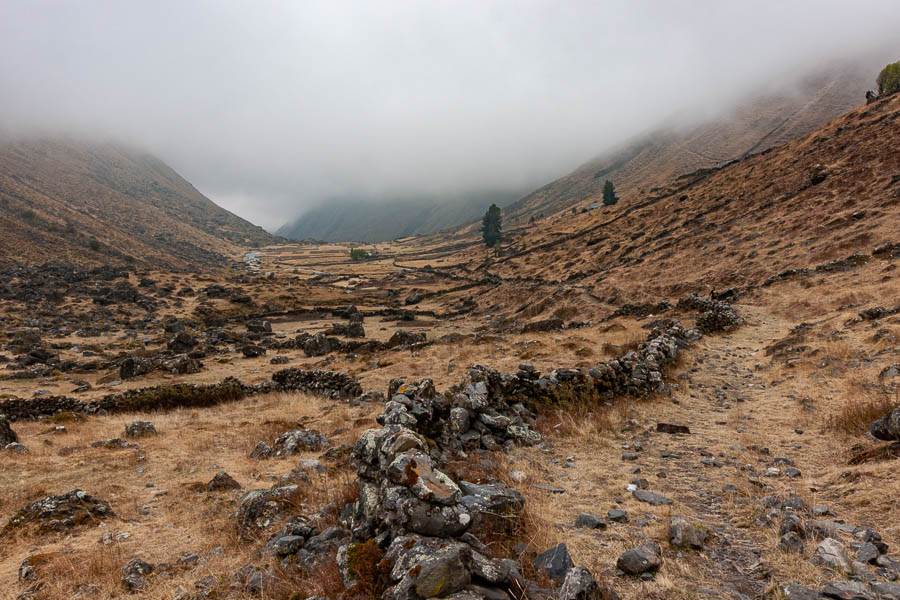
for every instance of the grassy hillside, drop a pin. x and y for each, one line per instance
(89, 203)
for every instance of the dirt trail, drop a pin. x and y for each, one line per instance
(736, 421)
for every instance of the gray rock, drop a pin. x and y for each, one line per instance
(792, 591)
(590, 521)
(791, 542)
(554, 563)
(831, 554)
(887, 428)
(579, 584)
(640, 560)
(262, 450)
(847, 590)
(651, 498)
(683, 533)
(298, 440)
(617, 516)
(259, 507)
(139, 429)
(885, 591)
(16, 448)
(134, 574)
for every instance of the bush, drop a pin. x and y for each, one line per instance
(889, 80)
(358, 254)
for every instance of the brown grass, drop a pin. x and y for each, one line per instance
(865, 406)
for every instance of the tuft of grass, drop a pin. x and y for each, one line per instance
(855, 416)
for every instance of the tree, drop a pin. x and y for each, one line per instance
(491, 226)
(889, 80)
(358, 254)
(609, 193)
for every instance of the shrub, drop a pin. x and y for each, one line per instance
(358, 254)
(889, 80)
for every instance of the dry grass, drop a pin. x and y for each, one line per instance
(863, 404)
(191, 447)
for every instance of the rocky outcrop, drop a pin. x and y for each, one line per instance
(60, 513)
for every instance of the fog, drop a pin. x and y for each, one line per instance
(271, 107)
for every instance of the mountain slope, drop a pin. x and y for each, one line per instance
(376, 221)
(820, 198)
(88, 203)
(657, 157)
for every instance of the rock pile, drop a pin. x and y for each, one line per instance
(59, 513)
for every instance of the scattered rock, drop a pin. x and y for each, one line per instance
(590, 521)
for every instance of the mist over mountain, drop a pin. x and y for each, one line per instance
(376, 221)
(271, 110)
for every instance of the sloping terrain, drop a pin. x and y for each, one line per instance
(825, 196)
(657, 157)
(88, 203)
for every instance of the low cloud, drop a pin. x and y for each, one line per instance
(271, 107)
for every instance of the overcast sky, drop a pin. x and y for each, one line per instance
(269, 107)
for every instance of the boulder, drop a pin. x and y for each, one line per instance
(887, 428)
(640, 560)
(259, 326)
(133, 366)
(590, 521)
(252, 351)
(259, 507)
(831, 554)
(182, 343)
(791, 543)
(134, 574)
(139, 429)
(554, 563)
(651, 498)
(299, 440)
(683, 533)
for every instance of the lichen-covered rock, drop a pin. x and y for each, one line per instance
(134, 574)
(259, 507)
(298, 440)
(60, 513)
(139, 429)
(887, 428)
(684, 533)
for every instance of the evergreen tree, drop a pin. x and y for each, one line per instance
(491, 226)
(609, 193)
